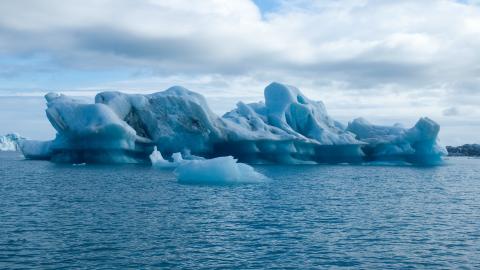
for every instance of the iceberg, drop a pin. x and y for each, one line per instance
(286, 128)
(158, 161)
(217, 171)
(10, 142)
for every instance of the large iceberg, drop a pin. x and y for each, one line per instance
(10, 142)
(286, 128)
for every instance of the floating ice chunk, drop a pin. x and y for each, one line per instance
(10, 142)
(187, 154)
(177, 157)
(159, 162)
(217, 171)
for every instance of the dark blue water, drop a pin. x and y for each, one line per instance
(86, 217)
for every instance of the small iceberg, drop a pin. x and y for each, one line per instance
(10, 142)
(158, 161)
(217, 171)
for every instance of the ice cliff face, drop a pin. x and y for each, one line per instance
(286, 128)
(10, 142)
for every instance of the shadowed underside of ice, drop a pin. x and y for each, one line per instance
(286, 128)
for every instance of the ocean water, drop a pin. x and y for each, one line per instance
(307, 217)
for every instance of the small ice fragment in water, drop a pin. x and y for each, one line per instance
(221, 170)
(177, 158)
(159, 162)
(10, 142)
(79, 164)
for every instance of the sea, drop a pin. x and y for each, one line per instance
(55, 216)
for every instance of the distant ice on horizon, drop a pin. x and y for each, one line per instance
(10, 142)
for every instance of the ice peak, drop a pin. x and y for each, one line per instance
(51, 96)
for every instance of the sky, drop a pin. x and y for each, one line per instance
(387, 61)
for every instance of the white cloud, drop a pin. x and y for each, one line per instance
(230, 37)
(419, 57)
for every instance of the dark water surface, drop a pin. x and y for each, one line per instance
(308, 217)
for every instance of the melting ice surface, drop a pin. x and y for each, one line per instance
(286, 128)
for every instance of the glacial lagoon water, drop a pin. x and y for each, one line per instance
(307, 217)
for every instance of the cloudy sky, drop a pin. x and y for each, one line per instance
(387, 61)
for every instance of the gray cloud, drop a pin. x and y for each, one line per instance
(452, 111)
(363, 44)
(411, 57)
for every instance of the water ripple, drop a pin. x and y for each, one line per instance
(308, 217)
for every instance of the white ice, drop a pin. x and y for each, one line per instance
(217, 171)
(10, 142)
(158, 161)
(87, 133)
